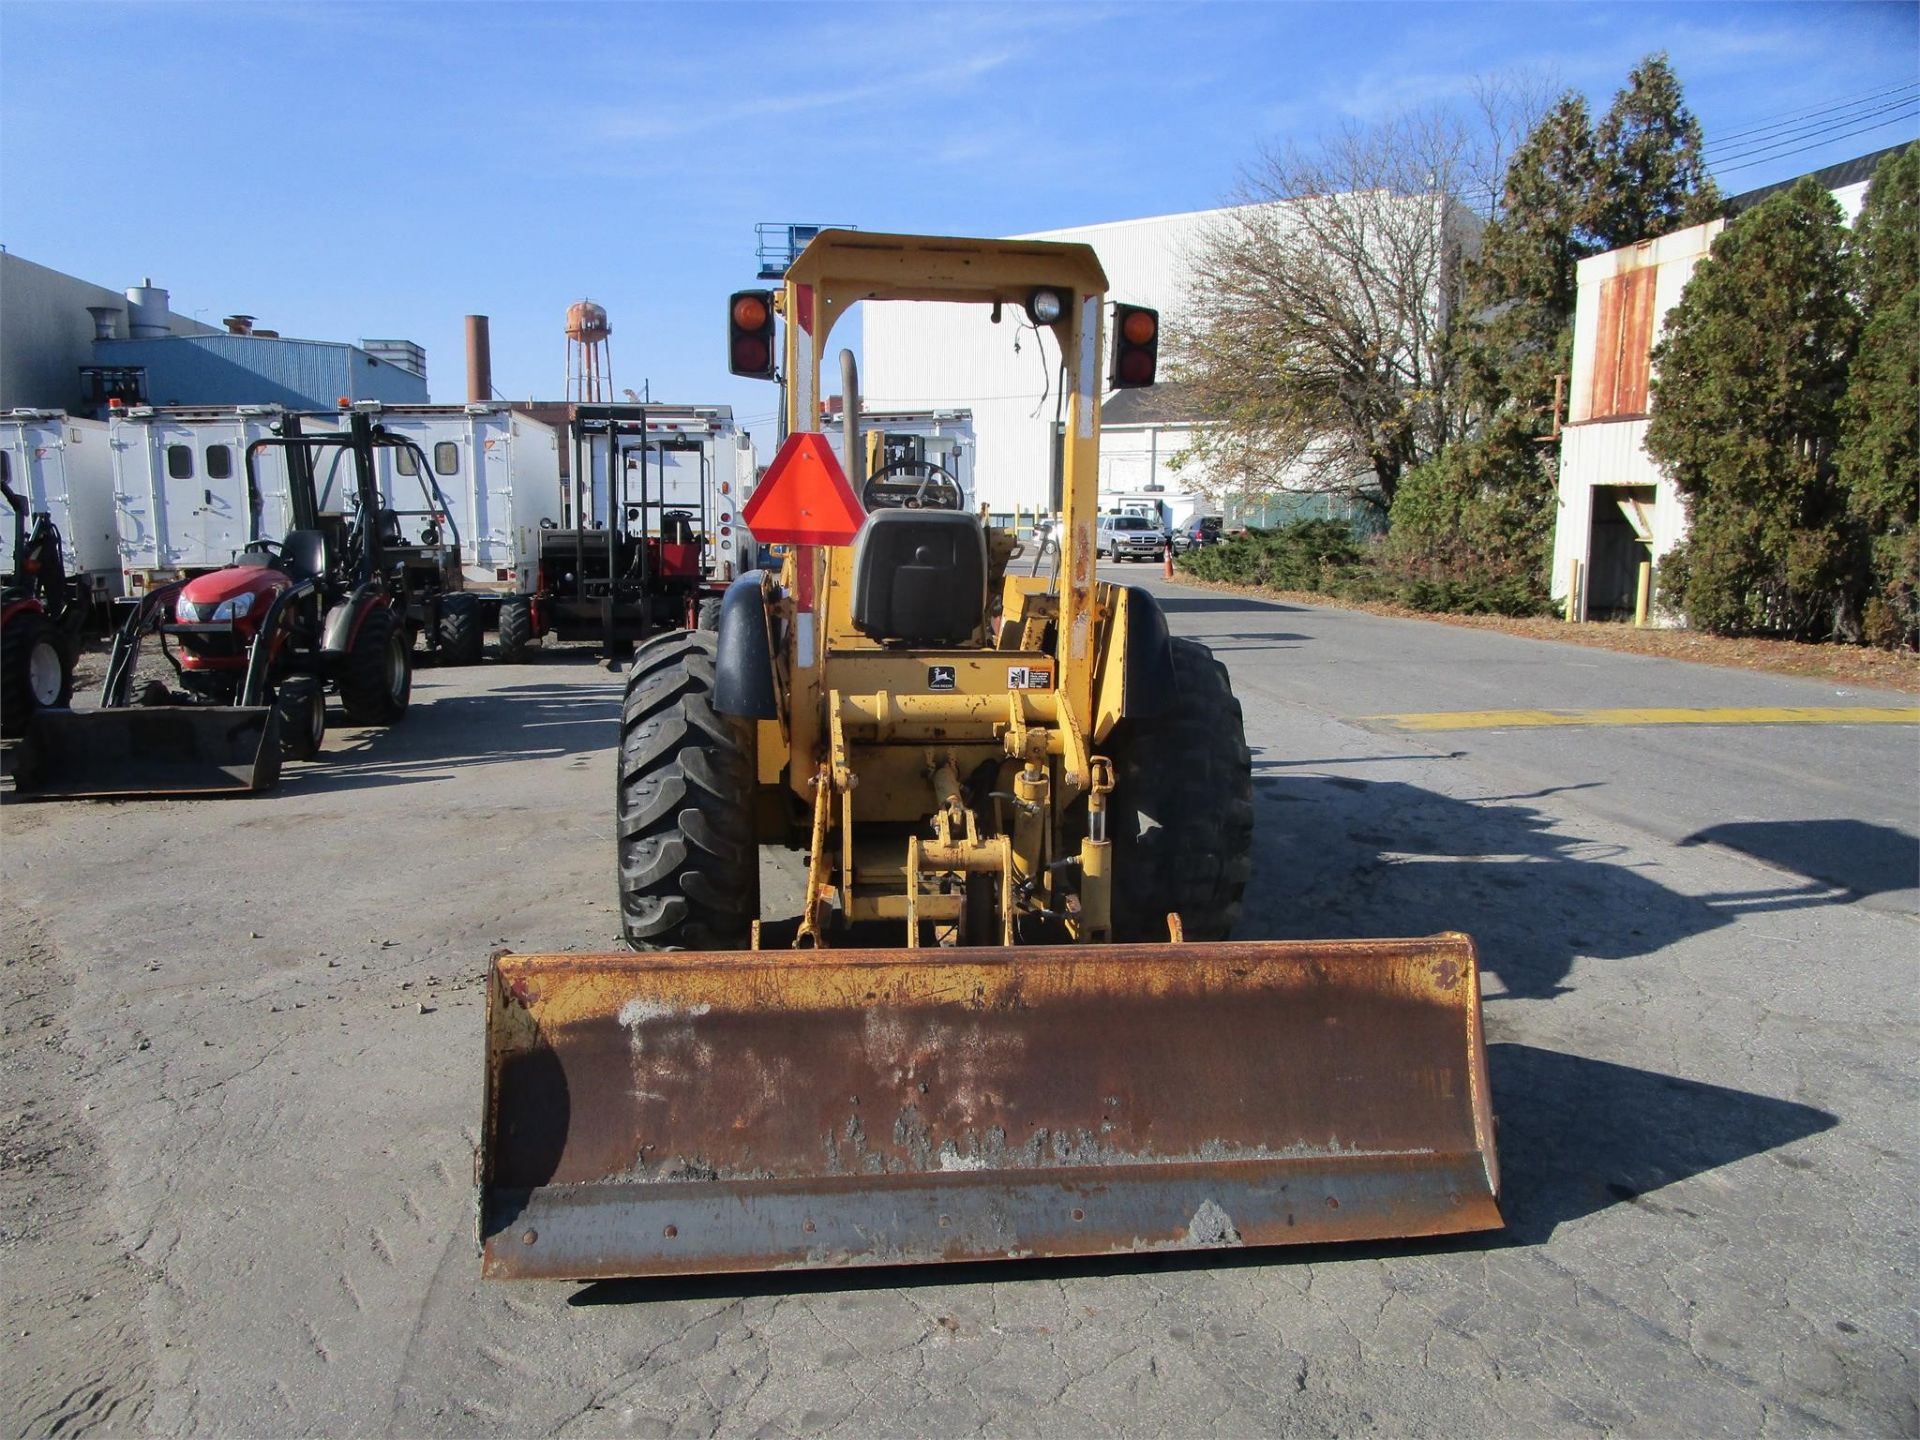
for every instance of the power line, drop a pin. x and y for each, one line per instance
(1775, 122)
(1740, 152)
(1812, 145)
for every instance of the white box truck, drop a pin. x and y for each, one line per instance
(63, 467)
(497, 475)
(181, 497)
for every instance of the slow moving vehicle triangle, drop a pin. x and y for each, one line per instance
(804, 498)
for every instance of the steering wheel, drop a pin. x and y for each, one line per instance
(265, 547)
(937, 489)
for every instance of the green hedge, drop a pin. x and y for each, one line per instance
(1324, 556)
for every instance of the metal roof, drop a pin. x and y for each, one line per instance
(1833, 177)
(1152, 405)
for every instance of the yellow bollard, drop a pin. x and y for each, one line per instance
(1573, 592)
(1643, 594)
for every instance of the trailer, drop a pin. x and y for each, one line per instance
(182, 502)
(189, 504)
(657, 491)
(495, 472)
(62, 467)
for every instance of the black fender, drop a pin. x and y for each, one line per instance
(743, 668)
(343, 620)
(1150, 678)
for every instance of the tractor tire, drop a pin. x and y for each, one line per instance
(689, 867)
(301, 702)
(708, 616)
(1181, 815)
(35, 673)
(516, 629)
(462, 630)
(376, 676)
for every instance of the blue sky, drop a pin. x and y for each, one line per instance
(353, 170)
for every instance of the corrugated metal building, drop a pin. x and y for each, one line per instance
(47, 332)
(1616, 508)
(261, 370)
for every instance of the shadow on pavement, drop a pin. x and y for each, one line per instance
(1193, 604)
(1577, 1136)
(455, 733)
(1580, 1135)
(1864, 858)
(1338, 857)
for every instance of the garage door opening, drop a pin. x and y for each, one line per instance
(1621, 539)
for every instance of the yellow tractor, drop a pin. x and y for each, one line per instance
(1010, 1020)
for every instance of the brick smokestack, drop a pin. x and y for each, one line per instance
(479, 361)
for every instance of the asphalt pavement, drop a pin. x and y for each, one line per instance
(243, 1050)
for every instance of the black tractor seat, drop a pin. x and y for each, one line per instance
(303, 554)
(920, 577)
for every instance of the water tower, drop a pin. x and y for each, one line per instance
(589, 354)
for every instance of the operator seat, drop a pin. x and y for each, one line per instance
(303, 554)
(920, 577)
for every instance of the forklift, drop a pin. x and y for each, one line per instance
(637, 558)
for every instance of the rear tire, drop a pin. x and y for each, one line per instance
(516, 629)
(1182, 809)
(34, 671)
(376, 679)
(462, 630)
(689, 867)
(302, 705)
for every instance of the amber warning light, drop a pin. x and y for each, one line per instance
(750, 334)
(1136, 346)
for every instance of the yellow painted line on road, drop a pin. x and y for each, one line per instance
(1728, 715)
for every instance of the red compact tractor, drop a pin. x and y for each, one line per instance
(252, 648)
(40, 620)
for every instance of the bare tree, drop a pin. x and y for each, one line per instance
(1314, 340)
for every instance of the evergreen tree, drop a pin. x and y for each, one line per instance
(1879, 457)
(1652, 180)
(1746, 413)
(1544, 225)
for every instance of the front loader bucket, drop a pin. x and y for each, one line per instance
(150, 750)
(669, 1114)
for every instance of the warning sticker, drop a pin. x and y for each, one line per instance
(1029, 677)
(940, 677)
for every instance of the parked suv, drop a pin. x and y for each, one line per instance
(1204, 531)
(1129, 537)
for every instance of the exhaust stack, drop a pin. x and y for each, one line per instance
(479, 361)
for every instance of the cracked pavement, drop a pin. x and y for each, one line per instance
(243, 1049)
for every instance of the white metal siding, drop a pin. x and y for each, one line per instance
(929, 356)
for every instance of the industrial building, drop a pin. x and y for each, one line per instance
(252, 369)
(48, 322)
(1616, 510)
(953, 357)
(69, 344)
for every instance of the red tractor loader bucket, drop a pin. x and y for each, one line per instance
(150, 750)
(671, 1114)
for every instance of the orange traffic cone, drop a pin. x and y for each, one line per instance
(1167, 569)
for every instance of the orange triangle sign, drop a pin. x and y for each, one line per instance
(804, 498)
